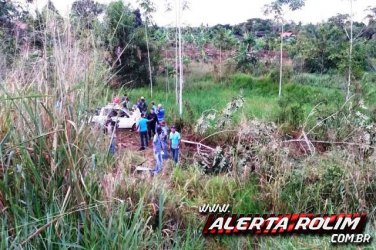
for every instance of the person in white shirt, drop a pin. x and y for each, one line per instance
(158, 150)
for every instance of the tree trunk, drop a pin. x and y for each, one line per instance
(167, 76)
(167, 73)
(280, 66)
(176, 56)
(220, 62)
(150, 74)
(350, 51)
(180, 65)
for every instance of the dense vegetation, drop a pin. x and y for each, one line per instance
(310, 150)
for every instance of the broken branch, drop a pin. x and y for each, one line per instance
(198, 144)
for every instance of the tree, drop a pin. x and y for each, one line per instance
(124, 37)
(180, 5)
(351, 42)
(181, 79)
(13, 19)
(245, 57)
(148, 8)
(277, 7)
(201, 38)
(162, 36)
(86, 11)
(224, 40)
(346, 22)
(319, 47)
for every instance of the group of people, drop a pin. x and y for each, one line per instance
(152, 127)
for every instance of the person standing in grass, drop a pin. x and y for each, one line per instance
(142, 127)
(174, 143)
(158, 150)
(126, 103)
(111, 132)
(153, 119)
(160, 113)
(142, 105)
(164, 137)
(154, 107)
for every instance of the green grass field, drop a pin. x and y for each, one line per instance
(261, 96)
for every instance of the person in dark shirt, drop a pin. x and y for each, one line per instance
(125, 102)
(153, 120)
(142, 105)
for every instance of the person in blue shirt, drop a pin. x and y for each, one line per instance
(160, 113)
(158, 150)
(142, 127)
(174, 143)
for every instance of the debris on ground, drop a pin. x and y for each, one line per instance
(255, 138)
(212, 119)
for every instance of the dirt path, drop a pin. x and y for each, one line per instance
(130, 140)
(127, 140)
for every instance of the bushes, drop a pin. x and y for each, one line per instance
(368, 87)
(328, 81)
(287, 73)
(290, 112)
(255, 86)
(330, 184)
(341, 180)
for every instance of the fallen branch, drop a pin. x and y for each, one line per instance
(333, 142)
(219, 132)
(311, 148)
(327, 118)
(198, 144)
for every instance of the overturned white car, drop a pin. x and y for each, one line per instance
(123, 117)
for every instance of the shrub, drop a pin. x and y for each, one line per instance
(290, 112)
(329, 81)
(287, 73)
(368, 87)
(326, 184)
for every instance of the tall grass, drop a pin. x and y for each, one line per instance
(59, 188)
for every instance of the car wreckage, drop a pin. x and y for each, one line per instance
(123, 117)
